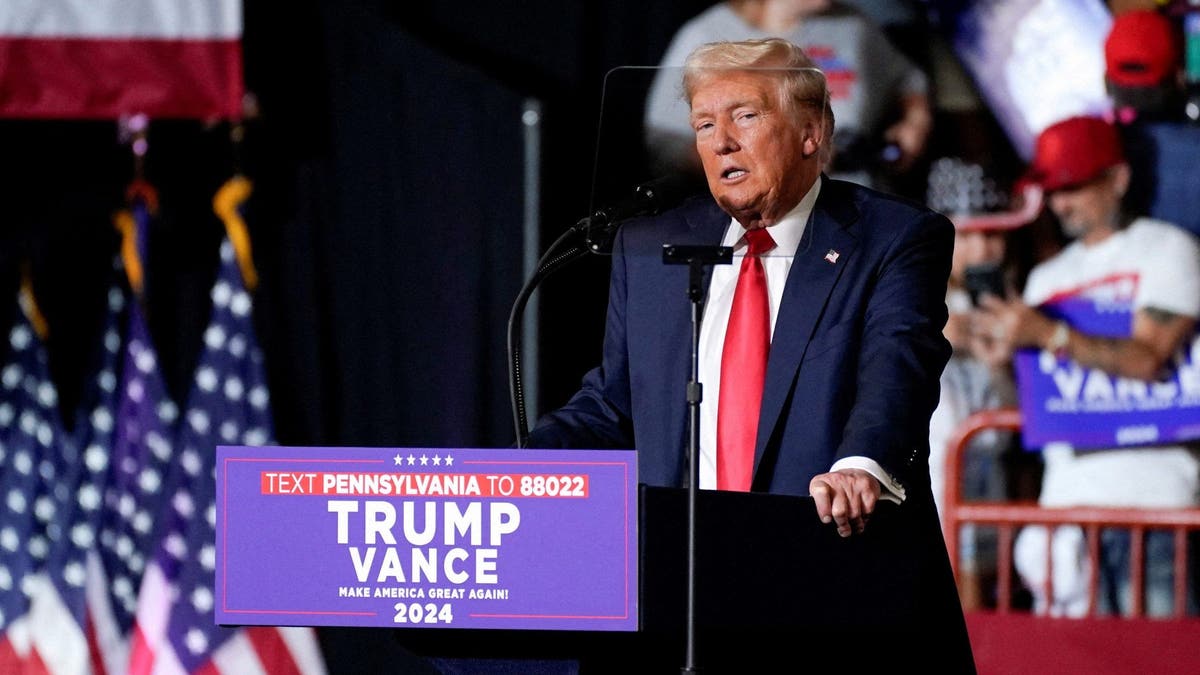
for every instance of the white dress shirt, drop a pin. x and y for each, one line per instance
(777, 262)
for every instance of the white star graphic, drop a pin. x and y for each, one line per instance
(398, 459)
(449, 460)
(411, 460)
(437, 461)
(424, 460)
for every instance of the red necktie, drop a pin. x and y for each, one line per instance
(744, 368)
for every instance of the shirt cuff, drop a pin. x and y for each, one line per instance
(893, 491)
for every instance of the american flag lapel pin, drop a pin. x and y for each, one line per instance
(832, 257)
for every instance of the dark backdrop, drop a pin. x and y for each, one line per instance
(386, 217)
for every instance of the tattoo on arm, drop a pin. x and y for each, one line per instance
(1101, 352)
(1159, 316)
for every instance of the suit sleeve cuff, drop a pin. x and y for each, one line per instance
(893, 491)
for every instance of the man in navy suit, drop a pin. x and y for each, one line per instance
(856, 285)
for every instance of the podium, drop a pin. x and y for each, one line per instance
(777, 591)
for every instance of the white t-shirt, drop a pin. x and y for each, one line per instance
(1152, 264)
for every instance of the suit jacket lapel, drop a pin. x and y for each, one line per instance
(810, 283)
(708, 227)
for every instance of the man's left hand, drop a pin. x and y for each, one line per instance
(846, 497)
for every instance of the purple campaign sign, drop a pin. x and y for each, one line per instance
(427, 537)
(1062, 401)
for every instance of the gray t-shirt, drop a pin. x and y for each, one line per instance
(866, 74)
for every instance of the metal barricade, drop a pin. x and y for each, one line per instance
(1008, 517)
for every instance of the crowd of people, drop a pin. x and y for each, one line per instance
(1116, 300)
(1084, 260)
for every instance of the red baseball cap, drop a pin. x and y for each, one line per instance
(1142, 49)
(1073, 152)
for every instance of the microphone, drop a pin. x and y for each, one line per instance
(649, 198)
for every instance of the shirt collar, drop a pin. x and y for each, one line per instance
(786, 232)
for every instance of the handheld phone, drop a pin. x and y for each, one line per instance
(987, 278)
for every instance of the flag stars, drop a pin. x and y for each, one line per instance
(124, 547)
(424, 460)
(398, 460)
(82, 535)
(240, 306)
(437, 461)
(221, 293)
(22, 462)
(167, 411)
(108, 381)
(206, 379)
(9, 540)
(198, 419)
(214, 337)
(195, 641)
(47, 395)
(449, 460)
(158, 445)
(74, 574)
(28, 423)
(89, 497)
(20, 337)
(256, 436)
(126, 505)
(184, 505)
(259, 398)
(176, 546)
(38, 547)
(149, 481)
(191, 461)
(202, 599)
(142, 522)
(411, 460)
(16, 501)
(234, 388)
(143, 358)
(43, 508)
(102, 420)
(237, 346)
(135, 390)
(112, 342)
(11, 377)
(122, 588)
(116, 299)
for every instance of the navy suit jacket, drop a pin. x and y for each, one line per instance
(855, 357)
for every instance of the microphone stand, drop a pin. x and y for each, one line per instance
(597, 231)
(552, 260)
(695, 257)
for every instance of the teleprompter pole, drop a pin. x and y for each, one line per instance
(696, 258)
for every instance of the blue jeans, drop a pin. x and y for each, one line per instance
(1115, 589)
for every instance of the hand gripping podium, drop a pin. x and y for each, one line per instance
(776, 591)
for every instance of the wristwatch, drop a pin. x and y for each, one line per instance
(1057, 344)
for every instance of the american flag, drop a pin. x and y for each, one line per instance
(141, 456)
(59, 622)
(53, 501)
(26, 437)
(107, 535)
(228, 404)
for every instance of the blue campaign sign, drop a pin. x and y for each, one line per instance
(427, 537)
